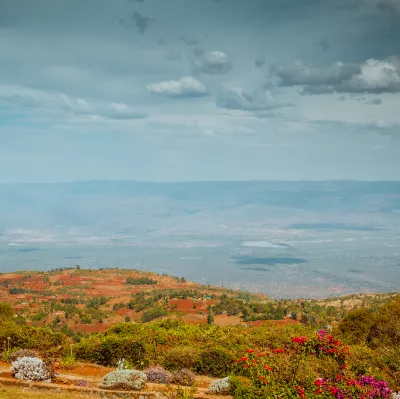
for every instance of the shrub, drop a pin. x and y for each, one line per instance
(68, 361)
(31, 337)
(215, 362)
(22, 353)
(181, 357)
(184, 377)
(220, 387)
(31, 369)
(141, 281)
(108, 349)
(355, 326)
(128, 380)
(385, 330)
(154, 313)
(6, 311)
(158, 374)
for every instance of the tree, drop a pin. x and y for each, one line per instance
(210, 316)
(356, 325)
(127, 319)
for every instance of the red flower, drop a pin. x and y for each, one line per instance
(267, 368)
(318, 382)
(250, 351)
(278, 350)
(299, 340)
(333, 391)
(260, 354)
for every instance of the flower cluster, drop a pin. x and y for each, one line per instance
(158, 375)
(31, 369)
(327, 345)
(365, 387)
(277, 373)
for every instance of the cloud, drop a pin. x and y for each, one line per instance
(122, 111)
(371, 76)
(384, 5)
(141, 21)
(186, 86)
(374, 101)
(309, 90)
(240, 99)
(213, 63)
(260, 61)
(40, 102)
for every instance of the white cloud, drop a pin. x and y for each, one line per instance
(186, 86)
(41, 101)
(240, 99)
(213, 63)
(371, 76)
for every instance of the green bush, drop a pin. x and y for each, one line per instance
(355, 327)
(154, 313)
(42, 339)
(181, 357)
(215, 362)
(108, 349)
(385, 328)
(6, 311)
(141, 281)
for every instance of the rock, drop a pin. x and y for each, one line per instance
(126, 380)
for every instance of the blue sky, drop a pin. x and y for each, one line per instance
(173, 90)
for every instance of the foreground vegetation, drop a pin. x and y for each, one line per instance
(370, 338)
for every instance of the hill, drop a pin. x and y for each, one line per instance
(85, 323)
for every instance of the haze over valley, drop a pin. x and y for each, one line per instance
(286, 239)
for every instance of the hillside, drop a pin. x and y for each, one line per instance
(78, 301)
(85, 323)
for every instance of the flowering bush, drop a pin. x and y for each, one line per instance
(280, 373)
(158, 375)
(220, 387)
(128, 380)
(31, 369)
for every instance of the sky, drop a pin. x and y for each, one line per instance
(186, 90)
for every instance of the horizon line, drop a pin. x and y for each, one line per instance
(196, 181)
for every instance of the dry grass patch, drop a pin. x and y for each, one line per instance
(27, 393)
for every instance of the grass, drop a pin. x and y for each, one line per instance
(26, 393)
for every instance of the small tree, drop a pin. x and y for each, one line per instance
(210, 316)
